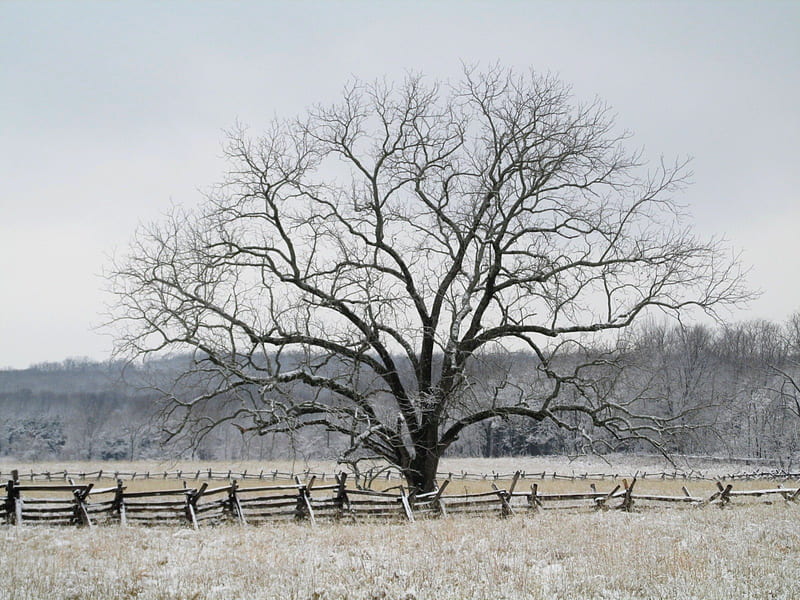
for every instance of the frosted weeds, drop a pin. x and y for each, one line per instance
(745, 552)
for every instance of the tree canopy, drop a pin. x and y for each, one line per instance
(362, 267)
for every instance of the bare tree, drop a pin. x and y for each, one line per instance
(679, 366)
(783, 394)
(360, 262)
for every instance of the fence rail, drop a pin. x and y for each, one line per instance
(84, 505)
(371, 475)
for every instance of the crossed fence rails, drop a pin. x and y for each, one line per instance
(85, 505)
(366, 478)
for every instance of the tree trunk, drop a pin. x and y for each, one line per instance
(421, 473)
(488, 445)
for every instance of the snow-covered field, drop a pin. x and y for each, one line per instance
(747, 550)
(740, 552)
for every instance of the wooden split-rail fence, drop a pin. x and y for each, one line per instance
(368, 477)
(83, 504)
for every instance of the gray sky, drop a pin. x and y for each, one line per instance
(111, 111)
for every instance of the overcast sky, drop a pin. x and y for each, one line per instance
(111, 111)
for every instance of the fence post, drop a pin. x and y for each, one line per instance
(13, 500)
(190, 512)
(341, 499)
(233, 503)
(119, 504)
(81, 515)
(534, 502)
(627, 498)
(723, 494)
(505, 507)
(8, 502)
(438, 502)
(307, 500)
(192, 496)
(303, 509)
(406, 505)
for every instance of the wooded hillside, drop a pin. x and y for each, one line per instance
(733, 389)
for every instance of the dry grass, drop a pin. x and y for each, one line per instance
(751, 552)
(740, 552)
(624, 465)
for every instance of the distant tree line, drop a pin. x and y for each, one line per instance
(732, 390)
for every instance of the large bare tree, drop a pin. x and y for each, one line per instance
(359, 264)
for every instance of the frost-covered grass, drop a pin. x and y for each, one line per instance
(739, 552)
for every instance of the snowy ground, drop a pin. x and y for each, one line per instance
(747, 550)
(706, 553)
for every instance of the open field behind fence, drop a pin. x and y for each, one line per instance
(368, 478)
(555, 468)
(158, 498)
